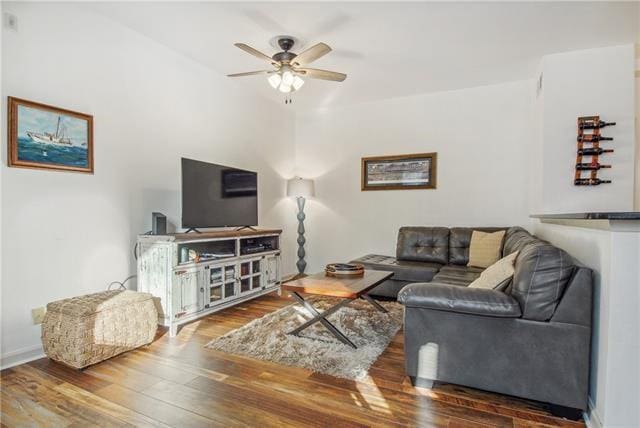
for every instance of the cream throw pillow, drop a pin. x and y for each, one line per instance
(496, 274)
(484, 249)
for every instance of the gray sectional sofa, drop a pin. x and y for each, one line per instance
(531, 340)
(425, 254)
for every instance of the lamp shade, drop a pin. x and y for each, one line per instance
(300, 187)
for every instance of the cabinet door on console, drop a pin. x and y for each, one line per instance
(230, 281)
(220, 283)
(188, 291)
(271, 270)
(256, 274)
(245, 276)
(154, 273)
(214, 285)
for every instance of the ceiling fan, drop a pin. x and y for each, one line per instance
(289, 68)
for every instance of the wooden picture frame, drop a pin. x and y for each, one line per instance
(47, 137)
(400, 172)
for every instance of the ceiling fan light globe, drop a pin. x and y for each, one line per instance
(284, 88)
(288, 78)
(275, 81)
(297, 83)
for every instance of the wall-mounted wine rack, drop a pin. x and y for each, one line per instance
(589, 139)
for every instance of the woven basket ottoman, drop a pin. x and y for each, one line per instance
(88, 329)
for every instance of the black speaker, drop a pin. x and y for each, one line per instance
(158, 224)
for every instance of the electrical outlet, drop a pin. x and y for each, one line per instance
(37, 314)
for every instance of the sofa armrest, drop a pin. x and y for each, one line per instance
(464, 300)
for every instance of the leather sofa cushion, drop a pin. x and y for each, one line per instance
(457, 275)
(388, 288)
(542, 273)
(423, 244)
(515, 239)
(458, 269)
(464, 300)
(402, 270)
(459, 241)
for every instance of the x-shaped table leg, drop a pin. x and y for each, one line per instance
(375, 304)
(321, 317)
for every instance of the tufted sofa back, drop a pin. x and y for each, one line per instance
(437, 244)
(459, 241)
(423, 244)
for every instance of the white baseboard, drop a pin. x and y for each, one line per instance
(591, 416)
(21, 356)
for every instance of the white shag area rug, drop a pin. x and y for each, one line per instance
(316, 348)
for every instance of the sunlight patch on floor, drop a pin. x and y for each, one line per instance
(371, 394)
(187, 331)
(428, 361)
(356, 400)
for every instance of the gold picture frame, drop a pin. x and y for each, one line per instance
(47, 137)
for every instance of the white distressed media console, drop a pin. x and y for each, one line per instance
(193, 275)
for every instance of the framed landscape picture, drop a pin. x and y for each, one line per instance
(47, 137)
(417, 171)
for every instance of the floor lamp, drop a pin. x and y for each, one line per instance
(300, 188)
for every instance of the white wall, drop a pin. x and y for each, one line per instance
(613, 252)
(636, 205)
(580, 83)
(1, 179)
(584, 83)
(481, 136)
(65, 234)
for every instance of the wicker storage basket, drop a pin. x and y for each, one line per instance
(88, 329)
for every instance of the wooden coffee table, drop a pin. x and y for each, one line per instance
(348, 289)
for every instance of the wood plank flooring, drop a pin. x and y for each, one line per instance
(177, 382)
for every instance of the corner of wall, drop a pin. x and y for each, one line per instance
(591, 416)
(636, 200)
(3, 140)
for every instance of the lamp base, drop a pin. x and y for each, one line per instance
(301, 263)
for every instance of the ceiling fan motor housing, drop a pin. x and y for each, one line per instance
(285, 44)
(284, 56)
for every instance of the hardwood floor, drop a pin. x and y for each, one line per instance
(177, 382)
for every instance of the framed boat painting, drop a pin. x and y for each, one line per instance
(400, 172)
(47, 137)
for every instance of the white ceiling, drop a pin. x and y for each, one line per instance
(387, 49)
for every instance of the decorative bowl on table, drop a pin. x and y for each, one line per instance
(344, 269)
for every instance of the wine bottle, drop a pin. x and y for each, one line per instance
(590, 138)
(589, 181)
(592, 124)
(593, 151)
(593, 166)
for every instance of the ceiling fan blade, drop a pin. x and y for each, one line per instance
(251, 73)
(312, 54)
(314, 73)
(255, 52)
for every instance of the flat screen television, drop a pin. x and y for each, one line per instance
(217, 196)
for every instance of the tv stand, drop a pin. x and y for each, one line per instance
(246, 227)
(193, 275)
(192, 229)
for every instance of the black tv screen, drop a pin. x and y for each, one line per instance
(216, 195)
